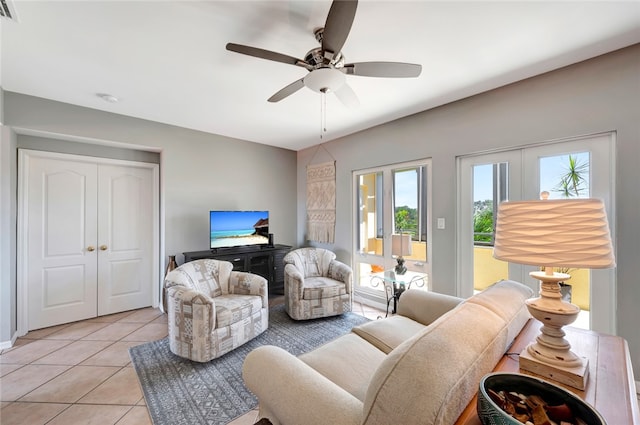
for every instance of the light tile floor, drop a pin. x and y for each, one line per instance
(81, 373)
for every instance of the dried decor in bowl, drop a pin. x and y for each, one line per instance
(513, 399)
(533, 409)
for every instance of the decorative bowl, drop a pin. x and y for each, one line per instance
(490, 413)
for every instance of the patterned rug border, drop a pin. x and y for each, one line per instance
(179, 391)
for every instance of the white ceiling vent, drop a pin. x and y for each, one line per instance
(8, 10)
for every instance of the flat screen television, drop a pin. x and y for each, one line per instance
(238, 228)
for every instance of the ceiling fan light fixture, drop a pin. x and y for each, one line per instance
(324, 80)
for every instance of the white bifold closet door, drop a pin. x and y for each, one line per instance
(90, 236)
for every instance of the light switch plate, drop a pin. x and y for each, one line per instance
(441, 223)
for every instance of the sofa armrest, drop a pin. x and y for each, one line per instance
(200, 306)
(295, 393)
(342, 273)
(425, 306)
(244, 283)
(294, 280)
(178, 277)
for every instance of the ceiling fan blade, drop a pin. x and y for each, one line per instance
(265, 54)
(287, 91)
(383, 69)
(347, 96)
(338, 25)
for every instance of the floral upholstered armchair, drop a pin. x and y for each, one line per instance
(316, 284)
(213, 309)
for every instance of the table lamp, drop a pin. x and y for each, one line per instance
(554, 233)
(400, 244)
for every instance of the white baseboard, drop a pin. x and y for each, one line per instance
(8, 344)
(369, 302)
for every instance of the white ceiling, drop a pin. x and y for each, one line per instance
(166, 60)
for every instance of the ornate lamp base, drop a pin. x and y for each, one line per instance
(400, 267)
(551, 356)
(575, 377)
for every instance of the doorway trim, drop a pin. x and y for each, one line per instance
(21, 245)
(386, 194)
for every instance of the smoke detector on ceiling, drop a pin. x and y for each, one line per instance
(8, 10)
(107, 97)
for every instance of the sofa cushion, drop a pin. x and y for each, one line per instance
(234, 308)
(386, 334)
(425, 306)
(203, 276)
(435, 374)
(319, 287)
(227, 338)
(310, 261)
(506, 298)
(348, 361)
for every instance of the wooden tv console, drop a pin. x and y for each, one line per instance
(262, 260)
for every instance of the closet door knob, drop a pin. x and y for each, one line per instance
(103, 247)
(90, 248)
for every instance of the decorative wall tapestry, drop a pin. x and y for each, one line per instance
(321, 202)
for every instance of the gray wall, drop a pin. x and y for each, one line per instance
(8, 159)
(1, 105)
(7, 229)
(595, 96)
(199, 171)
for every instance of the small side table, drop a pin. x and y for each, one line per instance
(395, 285)
(610, 388)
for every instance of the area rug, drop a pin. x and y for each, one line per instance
(178, 391)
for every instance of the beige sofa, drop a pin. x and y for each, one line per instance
(422, 366)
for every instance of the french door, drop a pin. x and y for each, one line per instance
(88, 232)
(391, 221)
(582, 167)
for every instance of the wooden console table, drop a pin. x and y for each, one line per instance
(265, 261)
(610, 388)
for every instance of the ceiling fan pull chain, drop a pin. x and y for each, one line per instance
(323, 112)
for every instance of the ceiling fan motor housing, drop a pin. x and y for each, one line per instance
(317, 58)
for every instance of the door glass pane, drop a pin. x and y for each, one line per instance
(370, 216)
(409, 211)
(489, 189)
(567, 176)
(370, 242)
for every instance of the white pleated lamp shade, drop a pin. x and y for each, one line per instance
(555, 233)
(400, 244)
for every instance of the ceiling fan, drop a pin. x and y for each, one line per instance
(326, 64)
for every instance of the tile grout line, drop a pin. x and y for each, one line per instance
(117, 370)
(364, 311)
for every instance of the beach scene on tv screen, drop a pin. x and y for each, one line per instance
(236, 228)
